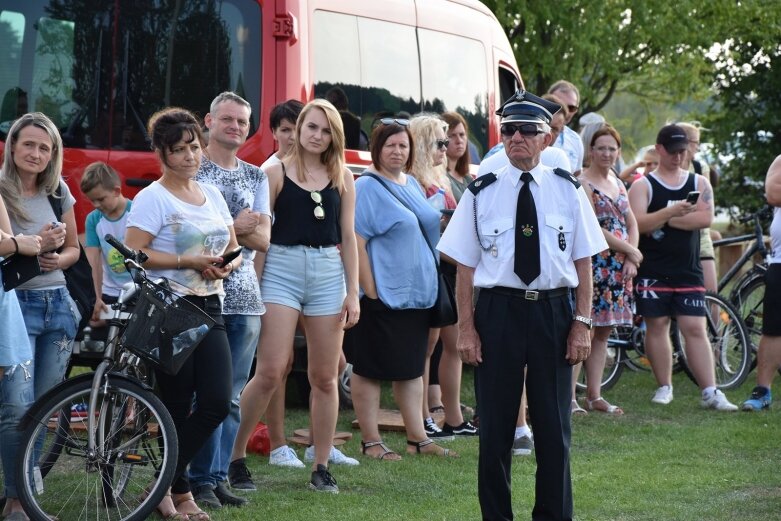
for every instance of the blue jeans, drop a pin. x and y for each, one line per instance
(51, 319)
(210, 464)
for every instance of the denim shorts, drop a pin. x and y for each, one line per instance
(310, 280)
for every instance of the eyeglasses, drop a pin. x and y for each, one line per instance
(318, 200)
(526, 130)
(573, 108)
(391, 121)
(442, 143)
(602, 150)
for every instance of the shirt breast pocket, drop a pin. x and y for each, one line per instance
(559, 231)
(497, 235)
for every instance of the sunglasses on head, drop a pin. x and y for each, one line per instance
(318, 200)
(442, 143)
(526, 129)
(397, 121)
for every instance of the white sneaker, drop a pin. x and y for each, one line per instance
(284, 456)
(718, 402)
(664, 395)
(336, 457)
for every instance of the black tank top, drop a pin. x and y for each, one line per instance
(294, 218)
(670, 254)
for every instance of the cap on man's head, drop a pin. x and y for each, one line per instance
(525, 107)
(673, 138)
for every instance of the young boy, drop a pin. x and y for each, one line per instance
(101, 185)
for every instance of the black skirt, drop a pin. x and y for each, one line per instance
(389, 344)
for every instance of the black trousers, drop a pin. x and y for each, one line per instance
(206, 376)
(514, 333)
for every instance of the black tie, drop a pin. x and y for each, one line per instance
(527, 234)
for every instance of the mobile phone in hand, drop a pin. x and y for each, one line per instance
(692, 197)
(229, 256)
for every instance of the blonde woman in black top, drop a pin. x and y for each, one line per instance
(311, 270)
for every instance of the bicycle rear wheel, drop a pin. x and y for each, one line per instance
(729, 344)
(749, 299)
(127, 474)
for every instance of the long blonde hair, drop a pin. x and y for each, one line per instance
(48, 180)
(333, 157)
(423, 128)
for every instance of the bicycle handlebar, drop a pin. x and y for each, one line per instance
(138, 256)
(762, 213)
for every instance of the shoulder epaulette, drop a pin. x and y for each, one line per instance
(481, 182)
(566, 175)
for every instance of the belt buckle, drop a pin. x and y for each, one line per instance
(531, 294)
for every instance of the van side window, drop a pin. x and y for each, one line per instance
(100, 69)
(454, 78)
(508, 84)
(375, 65)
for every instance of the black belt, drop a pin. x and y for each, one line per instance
(528, 294)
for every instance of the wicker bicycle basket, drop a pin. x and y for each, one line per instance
(164, 328)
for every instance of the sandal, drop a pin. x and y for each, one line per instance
(198, 515)
(576, 409)
(387, 453)
(446, 453)
(613, 410)
(171, 516)
(436, 409)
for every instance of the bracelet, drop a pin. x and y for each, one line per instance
(16, 244)
(178, 262)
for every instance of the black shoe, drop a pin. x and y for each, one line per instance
(323, 481)
(239, 475)
(434, 432)
(204, 496)
(226, 497)
(465, 429)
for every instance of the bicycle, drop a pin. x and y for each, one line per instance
(726, 333)
(102, 445)
(748, 292)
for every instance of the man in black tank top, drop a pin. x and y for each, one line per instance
(669, 281)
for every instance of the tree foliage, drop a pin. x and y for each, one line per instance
(721, 53)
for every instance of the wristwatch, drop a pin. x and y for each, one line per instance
(585, 320)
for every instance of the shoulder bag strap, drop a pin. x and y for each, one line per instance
(420, 225)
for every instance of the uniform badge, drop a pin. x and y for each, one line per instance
(562, 241)
(527, 230)
(478, 183)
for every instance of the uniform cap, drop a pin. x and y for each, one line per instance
(525, 107)
(673, 138)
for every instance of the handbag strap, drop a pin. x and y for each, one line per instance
(420, 225)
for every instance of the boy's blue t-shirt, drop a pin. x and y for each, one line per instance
(402, 262)
(97, 225)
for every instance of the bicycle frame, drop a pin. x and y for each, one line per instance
(758, 246)
(128, 292)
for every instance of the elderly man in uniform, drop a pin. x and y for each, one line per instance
(524, 235)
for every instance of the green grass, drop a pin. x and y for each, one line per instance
(674, 462)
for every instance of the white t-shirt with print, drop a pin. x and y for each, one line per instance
(183, 229)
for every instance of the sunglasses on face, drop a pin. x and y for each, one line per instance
(442, 143)
(526, 130)
(318, 200)
(397, 121)
(573, 108)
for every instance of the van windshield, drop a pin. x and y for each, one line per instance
(100, 69)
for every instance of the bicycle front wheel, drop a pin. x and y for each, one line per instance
(729, 344)
(126, 475)
(614, 363)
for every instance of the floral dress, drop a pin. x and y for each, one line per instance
(613, 302)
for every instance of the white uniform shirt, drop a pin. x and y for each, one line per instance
(569, 141)
(560, 209)
(551, 156)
